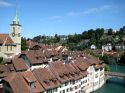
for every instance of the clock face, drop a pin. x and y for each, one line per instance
(13, 34)
(19, 35)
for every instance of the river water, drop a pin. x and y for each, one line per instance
(114, 85)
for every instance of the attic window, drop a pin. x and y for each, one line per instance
(54, 80)
(47, 82)
(32, 85)
(1, 72)
(77, 73)
(37, 57)
(72, 74)
(61, 76)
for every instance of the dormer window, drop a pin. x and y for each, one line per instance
(47, 82)
(61, 76)
(32, 85)
(54, 80)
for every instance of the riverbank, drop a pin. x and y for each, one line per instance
(114, 85)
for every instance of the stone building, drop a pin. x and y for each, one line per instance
(10, 44)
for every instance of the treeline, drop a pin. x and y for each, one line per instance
(98, 37)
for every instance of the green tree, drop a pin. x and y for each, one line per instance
(122, 59)
(110, 31)
(106, 68)
(1, 60)
(23, 44)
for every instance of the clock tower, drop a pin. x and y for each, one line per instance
(15, 33)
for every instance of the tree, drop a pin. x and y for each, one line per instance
(56, 39)
(37, 38)
(23, 44)
(110, 31)
(1, 60)
(122, 59)
(106, 68)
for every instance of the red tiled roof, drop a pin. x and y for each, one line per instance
(29, 77)
(19, 64)
(17, 83)
(46, 78)
(5, 38)
(64, 72)
(35, 57)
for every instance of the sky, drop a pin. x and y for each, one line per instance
(63, 17)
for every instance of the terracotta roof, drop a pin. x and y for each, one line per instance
(17, 83)
(64, 72)
(19, 64)
(5, 38)
(5, 69)
(29, 77)
(46, 78)
(81, 64)
(35, 57)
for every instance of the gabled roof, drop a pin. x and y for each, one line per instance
(46, 78)
(29, 77)
(6, 39)
(17, 83)
(19, 64)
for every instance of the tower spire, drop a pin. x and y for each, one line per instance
(16, 19)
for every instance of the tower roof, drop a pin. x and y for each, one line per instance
(16, 19)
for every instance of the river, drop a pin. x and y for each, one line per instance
(114, 85)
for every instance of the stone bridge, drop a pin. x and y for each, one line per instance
(109, 75)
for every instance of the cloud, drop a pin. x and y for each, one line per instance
(5, 4)
(55, 17)
(97, 10)
(74, 13)
(91, 10)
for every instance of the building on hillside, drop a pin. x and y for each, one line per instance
(120, 47)
(107, 47)
(93, 46)
(10, 44)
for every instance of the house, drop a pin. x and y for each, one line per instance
(107, 47)
(93, 46)
(10, 44)
(81, 73)
(120, 47)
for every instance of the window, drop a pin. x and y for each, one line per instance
(96, 75)
(63, 91)
(11, 48)
(49, 91)
(73, 82)
(55, 90)
(75, 87)
(68, 89)
(0, 48)
(32, 85)
(66, 83)
(7, 48)
(13, 29)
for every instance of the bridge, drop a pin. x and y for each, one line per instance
(109, 75)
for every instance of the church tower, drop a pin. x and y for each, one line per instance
(15, 33)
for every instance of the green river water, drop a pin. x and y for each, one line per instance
(114, 85)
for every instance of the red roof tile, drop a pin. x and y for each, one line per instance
(29, 77)
(4, 38)
(46, 78)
